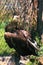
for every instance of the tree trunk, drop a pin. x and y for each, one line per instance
(40, 18)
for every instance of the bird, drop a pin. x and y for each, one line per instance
(19, 39)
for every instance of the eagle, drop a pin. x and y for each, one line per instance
(20, 39)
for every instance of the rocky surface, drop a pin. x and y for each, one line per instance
(13, 60)
(5, 60)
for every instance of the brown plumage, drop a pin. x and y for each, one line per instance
(17, 38)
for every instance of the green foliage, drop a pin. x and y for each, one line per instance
(29, 63)
(40, 52)
(4, 48)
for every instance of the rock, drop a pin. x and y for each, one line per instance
(24, 60)
(4, 60)
(11, 63)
